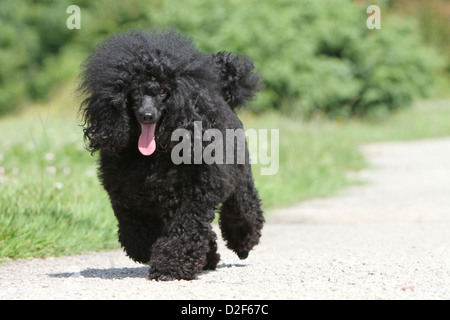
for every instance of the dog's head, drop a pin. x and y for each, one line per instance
(139, 86)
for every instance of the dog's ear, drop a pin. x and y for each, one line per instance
(106, 128)
(103, 85)
(239, 83)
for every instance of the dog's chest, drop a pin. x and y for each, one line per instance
(135, 177)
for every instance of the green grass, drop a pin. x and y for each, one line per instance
(51, 202)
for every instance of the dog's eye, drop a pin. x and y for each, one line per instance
(162, 92)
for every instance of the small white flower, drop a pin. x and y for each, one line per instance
(50, 170)
(50, 157)
(90, 173)
(58, 185)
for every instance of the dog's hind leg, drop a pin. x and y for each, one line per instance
(241, 217)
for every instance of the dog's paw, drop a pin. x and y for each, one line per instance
(164, 277)
(211, 261)
(161, 277)
(242, 254)
(158, 276)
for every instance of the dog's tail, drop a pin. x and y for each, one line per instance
(239, 83)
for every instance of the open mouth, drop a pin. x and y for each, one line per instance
(146, 143)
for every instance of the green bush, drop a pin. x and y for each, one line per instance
(314, 56)
(37, 50)
(31, 35)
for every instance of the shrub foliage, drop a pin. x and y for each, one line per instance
(314, 56)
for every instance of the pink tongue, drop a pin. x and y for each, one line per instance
(147, 144)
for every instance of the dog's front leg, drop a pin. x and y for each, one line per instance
(181, 252)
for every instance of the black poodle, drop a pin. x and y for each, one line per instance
(139, 88)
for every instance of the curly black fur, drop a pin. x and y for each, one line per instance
(164, 210)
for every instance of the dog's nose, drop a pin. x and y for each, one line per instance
(148, 117)
(147, 113)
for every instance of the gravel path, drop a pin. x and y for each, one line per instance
(408, 182)
(386, 239)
